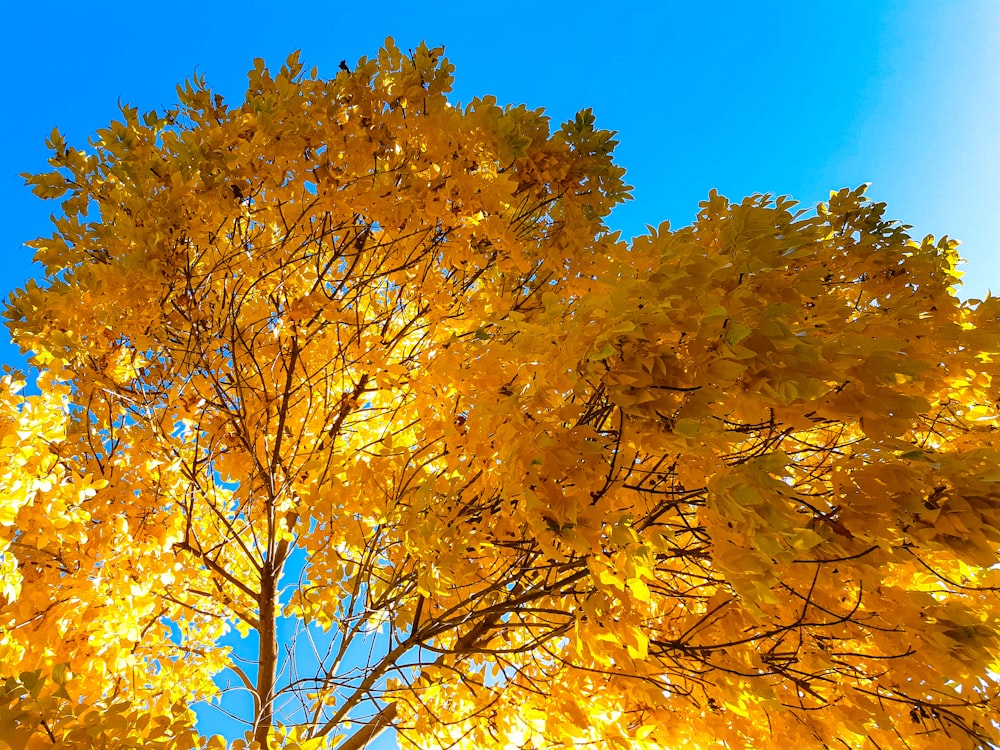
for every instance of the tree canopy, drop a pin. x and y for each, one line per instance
(363, 374)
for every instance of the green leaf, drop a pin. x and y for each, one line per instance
(736, 332)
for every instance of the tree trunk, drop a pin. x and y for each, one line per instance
(267, 655)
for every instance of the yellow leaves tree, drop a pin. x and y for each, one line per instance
(363, 372)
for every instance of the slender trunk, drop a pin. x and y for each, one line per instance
(267, 655)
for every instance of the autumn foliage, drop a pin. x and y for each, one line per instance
(365, 373)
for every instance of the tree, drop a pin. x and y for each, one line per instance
(366, 375)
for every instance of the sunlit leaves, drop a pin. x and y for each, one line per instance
(347, 354)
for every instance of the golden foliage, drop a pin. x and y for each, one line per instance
(534, 486)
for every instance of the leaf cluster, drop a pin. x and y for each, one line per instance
(365, 373)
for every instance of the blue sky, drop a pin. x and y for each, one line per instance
(790, 98)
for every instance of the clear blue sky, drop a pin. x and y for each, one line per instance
(783, 97)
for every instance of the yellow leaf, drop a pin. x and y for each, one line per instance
(639, 589)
